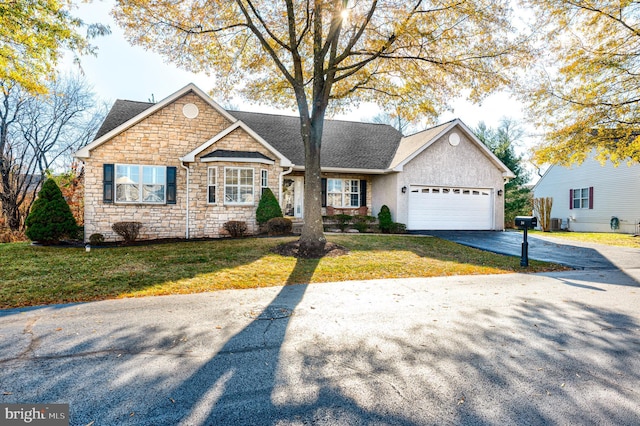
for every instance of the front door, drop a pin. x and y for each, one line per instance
(293, 196)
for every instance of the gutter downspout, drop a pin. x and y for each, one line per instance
(187, 197)
(282, 174)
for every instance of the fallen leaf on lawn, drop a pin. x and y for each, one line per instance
(173, 401)
(91, 423)
(7, 393)
(133, 413)
(58, 329)
(461, 401)
(562, 385)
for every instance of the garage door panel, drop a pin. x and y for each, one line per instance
(449, 208)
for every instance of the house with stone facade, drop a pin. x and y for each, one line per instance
(184, 166)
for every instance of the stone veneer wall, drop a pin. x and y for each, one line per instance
(160, 140)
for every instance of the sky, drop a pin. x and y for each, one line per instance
(122, 71)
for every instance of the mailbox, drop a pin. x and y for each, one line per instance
(526, 222)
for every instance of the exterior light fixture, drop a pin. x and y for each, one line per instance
(499, 192)
(404, 189)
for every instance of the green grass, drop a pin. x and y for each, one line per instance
(44, 275)
(608, 238)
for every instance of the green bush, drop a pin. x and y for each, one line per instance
(343, 221)
(384, 219)
(50, 218)
(127, 230)
(362, 223)
(268, 207)
(236, 228)
(96, 239)
(279, 226)
(398, 228)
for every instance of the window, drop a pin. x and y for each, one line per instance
(343, 192)
(211, 184)
(140, 184)
(580, 198)
(238, 185)
(264, 179)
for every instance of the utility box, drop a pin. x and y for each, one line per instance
(526, 222)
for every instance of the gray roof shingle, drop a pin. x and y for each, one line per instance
(345, 144)
(121, 112)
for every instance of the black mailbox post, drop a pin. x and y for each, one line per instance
(525, 223)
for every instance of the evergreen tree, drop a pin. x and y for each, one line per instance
(268, 207)
(384, 219)
(50, 218)
(501, 141)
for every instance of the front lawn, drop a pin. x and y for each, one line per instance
(608, 238)
(44, 275)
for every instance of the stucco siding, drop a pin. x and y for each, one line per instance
(615, 193)
(463, 166)
(385, 192)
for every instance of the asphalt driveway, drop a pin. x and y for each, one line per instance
(558, 348)
(574, 254)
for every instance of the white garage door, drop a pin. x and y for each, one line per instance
(450, 208)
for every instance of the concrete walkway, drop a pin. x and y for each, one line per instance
(557, 348)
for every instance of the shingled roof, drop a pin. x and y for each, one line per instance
(346, 144)
(121, 112)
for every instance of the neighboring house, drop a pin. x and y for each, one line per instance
(587, 197)
(185, 166)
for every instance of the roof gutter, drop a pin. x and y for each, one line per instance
(348, 170)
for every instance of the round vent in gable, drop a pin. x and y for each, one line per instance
(190, 110)
(454, 139)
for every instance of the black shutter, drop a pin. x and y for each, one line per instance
(107, 183)
(363, 193)
(171, 185)
(591, 198)
(323, 183)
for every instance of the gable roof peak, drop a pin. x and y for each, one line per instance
(143, 110)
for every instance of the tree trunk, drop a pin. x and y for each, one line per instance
(312, 240)
(12, 216)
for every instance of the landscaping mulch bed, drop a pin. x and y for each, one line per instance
(293, 249)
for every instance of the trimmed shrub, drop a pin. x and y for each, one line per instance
(127, 230)
(96, 239)
(268, 207)
(384, 219)
(279, 226)
(50, 218)
(235, 228)
(398, 228)
(343, 221)
(362, 223)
